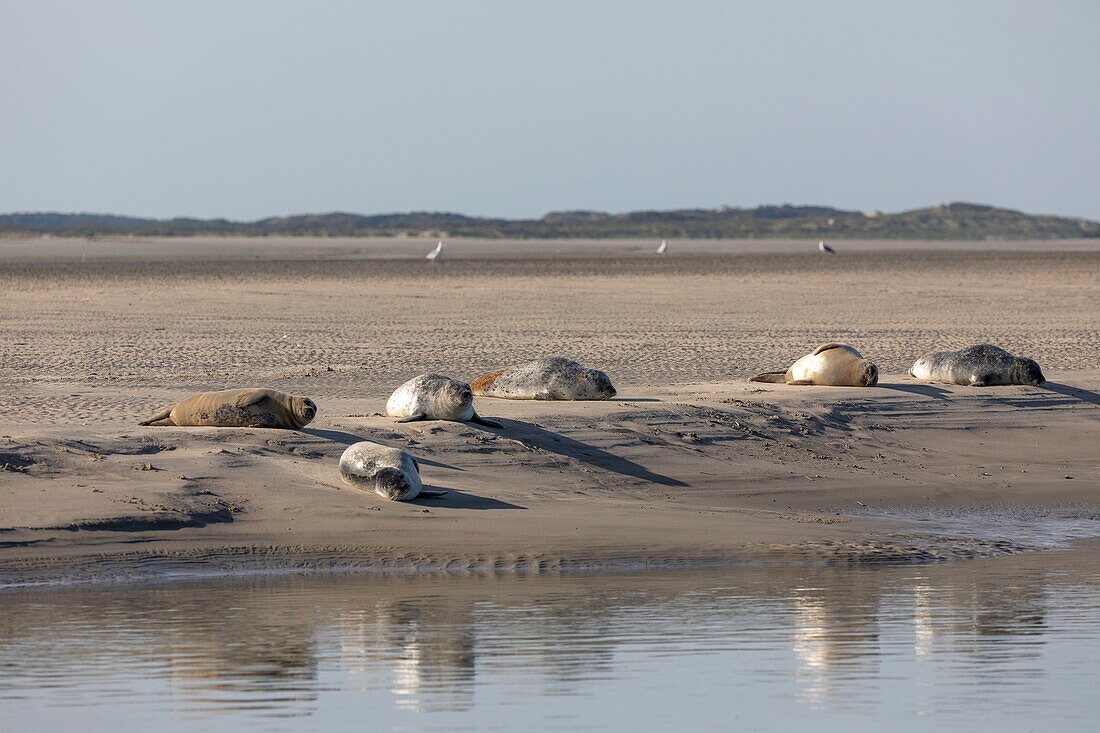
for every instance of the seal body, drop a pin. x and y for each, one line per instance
(831, 365)
(553, 378)
(239, 408)
(435, 397)
(977, 366)
(389, 472)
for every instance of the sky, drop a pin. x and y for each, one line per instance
(253, 109)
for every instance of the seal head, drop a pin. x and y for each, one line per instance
(601, 385)
(1026, 371)
(304, 410)
(867, 374)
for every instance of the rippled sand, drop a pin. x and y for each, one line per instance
(100, 334)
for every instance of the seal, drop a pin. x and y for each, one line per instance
(389, 472)
(831, 365)
(435, 397)
(552, 378)
(239, 408)
(980, 365)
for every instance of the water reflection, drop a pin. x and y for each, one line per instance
(246, 653)
(835, 629)
(295, 647)
(430, 646)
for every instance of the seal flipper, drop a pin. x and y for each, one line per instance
(770, 377)
(249, 400)
(800, 382)
(430, 494)
(162, 415)
(482, 421)
(826, 347)
(414, 417)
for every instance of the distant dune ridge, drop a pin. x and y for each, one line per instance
(948, 221)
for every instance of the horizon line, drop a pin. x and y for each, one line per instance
(721, 208)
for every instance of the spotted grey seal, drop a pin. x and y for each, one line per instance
(239, 408)
(435, 397)
(980, 365)
(832, 365)
(389, 472)
(552, 378)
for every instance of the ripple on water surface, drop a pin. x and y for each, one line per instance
(954, 645)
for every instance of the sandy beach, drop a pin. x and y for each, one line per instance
(690, 465)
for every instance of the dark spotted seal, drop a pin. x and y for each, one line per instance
(977, 366)
(553, 378)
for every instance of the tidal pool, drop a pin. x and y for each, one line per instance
(1007, 643)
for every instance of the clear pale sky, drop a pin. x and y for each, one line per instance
(251, 109)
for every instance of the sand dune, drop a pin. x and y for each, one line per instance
(690, 465)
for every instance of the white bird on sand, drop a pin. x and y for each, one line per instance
(436, 253)
(662, 247)
(825, 248)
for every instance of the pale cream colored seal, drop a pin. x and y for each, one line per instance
(832, 365)
(435, 397)
(239, 408)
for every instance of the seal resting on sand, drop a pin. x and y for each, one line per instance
(435, 397)
(239, 408)
(545, 379)
(831, 365)
(980, 365)
(389, 472)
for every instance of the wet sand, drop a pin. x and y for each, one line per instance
(691, 465)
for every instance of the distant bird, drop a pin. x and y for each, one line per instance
(825, 248)
(436, 253)
(662, 247)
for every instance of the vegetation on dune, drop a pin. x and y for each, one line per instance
(949, 221)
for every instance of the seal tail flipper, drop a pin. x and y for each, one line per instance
(162, 415)
(483, 421)
(770, 377)
(414, 417)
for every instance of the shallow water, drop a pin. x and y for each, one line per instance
(1007, 643)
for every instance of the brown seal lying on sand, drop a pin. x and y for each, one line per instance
(239, 408)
